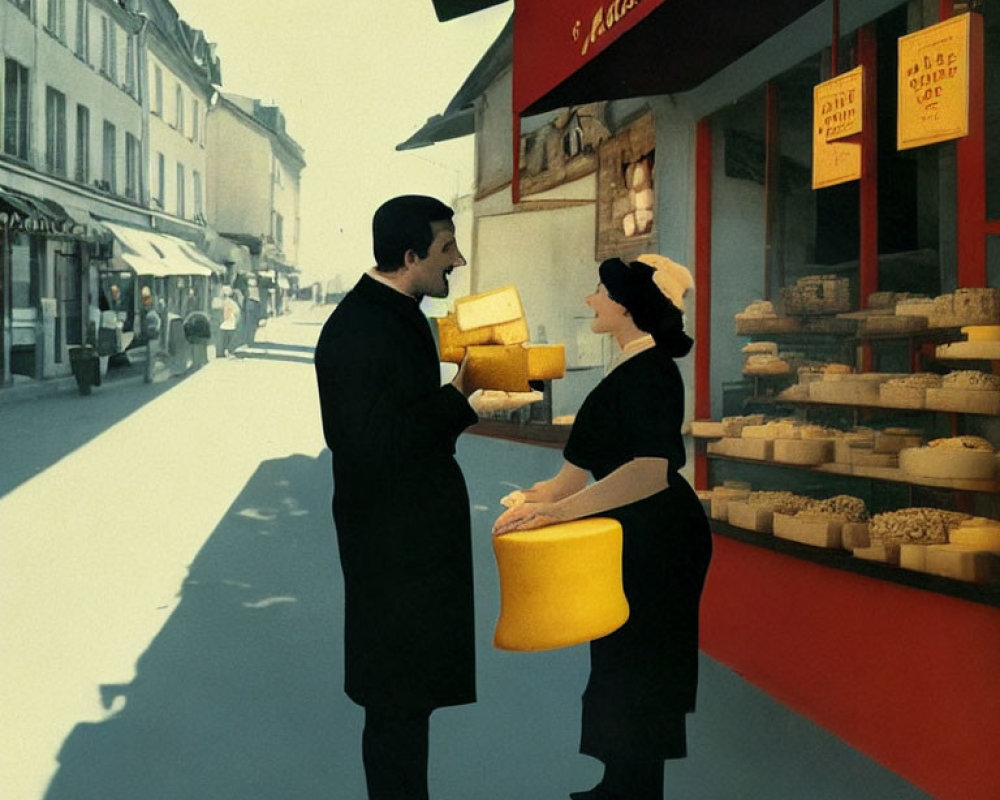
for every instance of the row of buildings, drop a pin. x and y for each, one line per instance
(125, 167)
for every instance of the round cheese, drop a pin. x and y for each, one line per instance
(947, 463)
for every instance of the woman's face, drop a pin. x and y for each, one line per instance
(608, 315)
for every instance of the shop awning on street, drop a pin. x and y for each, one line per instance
(155, 254)
(42, 216)
(627, 48)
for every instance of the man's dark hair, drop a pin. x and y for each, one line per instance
(404, 223)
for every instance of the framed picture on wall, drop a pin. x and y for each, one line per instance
(626, 195)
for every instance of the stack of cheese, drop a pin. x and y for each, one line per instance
(962, 307)
(847, 388)
(721, 496)
(971, 554)
(982, 341)
(889, 531)
(952, 458)
(909, 391)
(756, 512)
(840, 521)
(759, 317)
(761, 358)
(966, 391)
(880, 317)
(491, 330)
(817, 294)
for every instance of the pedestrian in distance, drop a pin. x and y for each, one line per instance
(627, 436)
(230, 321)
(400, 503)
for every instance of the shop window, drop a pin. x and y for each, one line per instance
(83, 29)
(109, 173)
(55, 131)
(131, 166)
(26, 254)
(15, 110)
(82, 171)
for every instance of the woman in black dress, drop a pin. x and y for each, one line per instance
(627, 436)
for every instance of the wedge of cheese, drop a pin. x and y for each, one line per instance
(487, 309)
(545, 362)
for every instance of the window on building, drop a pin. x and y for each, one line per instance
(158, 90)
(199, 203)
(15, 110)
(55, 131)
(180, 191)
(131, 166)
(161, 179)
(279, 231)
(179, 108)
(83, 29)
(82, 171)
(109, 48)
(109, 171)
(130, 66)
(195, 120)
(56, 19)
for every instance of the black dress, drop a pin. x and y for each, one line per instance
(644, 676)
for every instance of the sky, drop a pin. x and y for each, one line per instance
(354, 78)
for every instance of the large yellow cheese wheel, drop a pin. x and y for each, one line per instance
(488, 308)
(514, 332)
(980, 534)
(560, 585)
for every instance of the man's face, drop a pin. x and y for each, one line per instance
(428, 277)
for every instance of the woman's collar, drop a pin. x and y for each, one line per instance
(632, 348)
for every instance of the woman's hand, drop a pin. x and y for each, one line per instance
(524, 517)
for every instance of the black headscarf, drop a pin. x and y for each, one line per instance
(631, 285)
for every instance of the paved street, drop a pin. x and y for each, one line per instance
(171, 611)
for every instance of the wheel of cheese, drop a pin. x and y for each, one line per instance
(805, 452)
(982, 333)
(948, 464)
(545, 362)
(560, 585)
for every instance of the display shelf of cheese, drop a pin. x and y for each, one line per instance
(843, 560)
(988, 404)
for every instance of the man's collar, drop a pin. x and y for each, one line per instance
(374, 274)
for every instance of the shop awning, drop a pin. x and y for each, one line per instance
(449, 9)
(568, 53)
(155, 254)
(37, 215)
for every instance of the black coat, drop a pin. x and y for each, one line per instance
(400, 504)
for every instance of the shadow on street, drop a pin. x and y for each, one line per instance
(43, 430)
(240, 695)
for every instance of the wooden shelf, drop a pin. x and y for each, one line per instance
(790, 402)
(887, 474)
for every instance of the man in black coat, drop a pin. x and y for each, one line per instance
(400, 505)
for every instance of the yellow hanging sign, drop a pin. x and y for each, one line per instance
(837, 105)
(933, 93)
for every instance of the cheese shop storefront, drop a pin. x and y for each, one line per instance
(830, 172)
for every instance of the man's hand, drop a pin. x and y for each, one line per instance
(461, 380)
